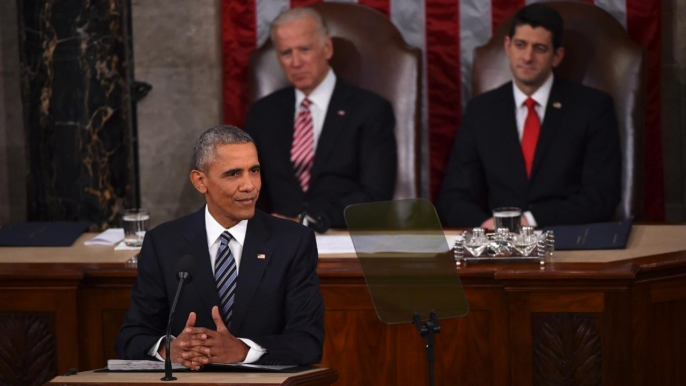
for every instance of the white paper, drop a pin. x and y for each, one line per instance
(126, 365)
(334, 244)
(256, 367)
(123, 247)
(108, 237)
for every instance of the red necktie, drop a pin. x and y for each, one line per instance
(302, 150)
(532, 127)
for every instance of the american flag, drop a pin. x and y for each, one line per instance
(447, 31)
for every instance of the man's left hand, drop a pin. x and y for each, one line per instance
(217, 346)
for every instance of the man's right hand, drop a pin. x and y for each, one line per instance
(180, 345)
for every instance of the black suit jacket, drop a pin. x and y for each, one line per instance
(278, 304)
(355, 160)
(576, 171)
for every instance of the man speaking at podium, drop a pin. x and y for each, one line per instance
(254, 294)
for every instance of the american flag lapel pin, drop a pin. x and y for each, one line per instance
(260, 256)
(341, 112)
(557, 105)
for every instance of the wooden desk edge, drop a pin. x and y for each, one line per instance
(313, 377)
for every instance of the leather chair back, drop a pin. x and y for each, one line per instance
(370, 53)
(598, 53)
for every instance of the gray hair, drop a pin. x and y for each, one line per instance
(205, 149)
(295, 14)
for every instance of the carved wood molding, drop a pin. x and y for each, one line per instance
(566, 349)
(27, 349)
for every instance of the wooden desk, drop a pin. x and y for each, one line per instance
(610, 317)
(89, 378)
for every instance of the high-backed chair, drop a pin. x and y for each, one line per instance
(369, 52)
(600, 54)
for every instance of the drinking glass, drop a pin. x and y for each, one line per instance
(135, 222)
(508, 217)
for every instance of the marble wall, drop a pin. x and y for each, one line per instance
(77, 111)
(177, 50)
(12, 165)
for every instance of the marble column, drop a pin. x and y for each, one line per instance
(77, 109)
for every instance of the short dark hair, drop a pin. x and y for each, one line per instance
(205, 149)
(539, 15)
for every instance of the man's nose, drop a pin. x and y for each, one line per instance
(297, 60)
(528, 53)
(246, 184)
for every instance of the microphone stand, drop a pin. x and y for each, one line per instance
(182, 276)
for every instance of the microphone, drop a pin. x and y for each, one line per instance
(317, 221)
(184, 268)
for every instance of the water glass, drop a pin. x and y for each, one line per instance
(135, 222)
(509, 217)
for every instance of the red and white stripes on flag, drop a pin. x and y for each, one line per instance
(447, 31)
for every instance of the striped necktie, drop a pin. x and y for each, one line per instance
(302, 150)
(225, 275)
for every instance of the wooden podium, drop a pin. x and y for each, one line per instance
(315, 377)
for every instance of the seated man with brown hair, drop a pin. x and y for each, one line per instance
(540, 143)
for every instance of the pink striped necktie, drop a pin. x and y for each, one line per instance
(302, 151)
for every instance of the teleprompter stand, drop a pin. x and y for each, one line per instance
(427, 331)
(408, 265)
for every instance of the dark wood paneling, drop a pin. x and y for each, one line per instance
(48, 318)
(28, 349)
(636, 308)
(667, 343)
(566, 349)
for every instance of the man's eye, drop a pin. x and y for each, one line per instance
(541, 49)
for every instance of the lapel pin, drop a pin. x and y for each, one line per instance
(557, 105)
(260, 256)
(341, 112)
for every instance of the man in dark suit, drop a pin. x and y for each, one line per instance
(323, 144)
(254, 295)
(540, 143)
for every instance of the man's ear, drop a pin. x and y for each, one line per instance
(559, 55)
(506, 45)
(198, 181)
(328, 47)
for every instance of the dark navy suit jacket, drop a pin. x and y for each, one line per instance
(355, 160)
(576, 171)
(278, 304)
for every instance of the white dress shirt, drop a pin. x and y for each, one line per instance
(214, 230)
(320, 98)
(541, 97)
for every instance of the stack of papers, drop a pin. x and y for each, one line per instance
(108, 237)
(131, 365)
(124, 365)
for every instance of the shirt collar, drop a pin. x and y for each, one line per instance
(540, 96)
(321, 95)
(215, 229)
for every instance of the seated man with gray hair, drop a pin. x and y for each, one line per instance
(323, 144)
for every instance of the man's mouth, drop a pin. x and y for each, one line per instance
(247, 201)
